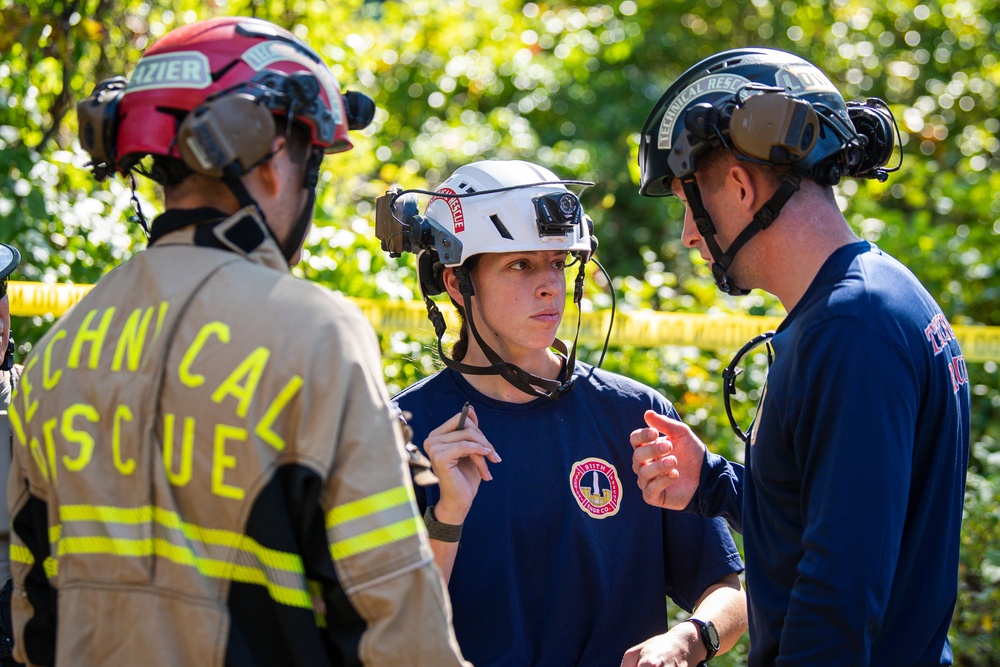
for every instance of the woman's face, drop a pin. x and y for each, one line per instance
(519, 300)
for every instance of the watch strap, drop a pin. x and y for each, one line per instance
(709, 637)
(442, 532)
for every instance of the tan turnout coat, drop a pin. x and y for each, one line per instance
(207, 469)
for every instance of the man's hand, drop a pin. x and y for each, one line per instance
(668, 466)
(459, 457)
(680, 647)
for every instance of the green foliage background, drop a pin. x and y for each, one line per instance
(568, 85)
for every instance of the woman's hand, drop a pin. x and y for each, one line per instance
(459, 458)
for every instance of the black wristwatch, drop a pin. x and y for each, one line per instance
(709, 637)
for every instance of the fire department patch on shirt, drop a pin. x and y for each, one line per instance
(596, 487)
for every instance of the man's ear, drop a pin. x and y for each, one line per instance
(268, 173)
(746, 186)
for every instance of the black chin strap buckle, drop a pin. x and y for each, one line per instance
(723, 282)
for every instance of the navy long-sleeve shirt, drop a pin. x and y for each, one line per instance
(851, 499)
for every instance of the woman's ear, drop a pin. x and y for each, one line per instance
(451, 284)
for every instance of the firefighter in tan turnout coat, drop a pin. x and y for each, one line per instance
(207, 469)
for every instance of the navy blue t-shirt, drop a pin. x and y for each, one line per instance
(853, 491)
(561, 561)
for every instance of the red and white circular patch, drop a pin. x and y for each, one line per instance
(596, 487)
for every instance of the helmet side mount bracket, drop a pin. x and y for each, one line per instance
(98, 120)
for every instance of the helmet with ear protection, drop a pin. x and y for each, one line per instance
(535, 211)
(766, 106)
(207, 94)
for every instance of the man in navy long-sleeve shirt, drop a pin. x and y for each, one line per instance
(851, 499)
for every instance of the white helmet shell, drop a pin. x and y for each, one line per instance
(509, 221)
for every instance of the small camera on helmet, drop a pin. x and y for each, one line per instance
(557, 213)
(875, 125)
(396, 222)
(702, 120)
(360, 110)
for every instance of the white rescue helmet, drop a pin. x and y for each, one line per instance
(532, 210)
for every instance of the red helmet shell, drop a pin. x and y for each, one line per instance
(206, 58)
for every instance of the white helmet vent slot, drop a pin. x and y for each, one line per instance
(504, 232)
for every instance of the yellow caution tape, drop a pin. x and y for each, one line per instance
(31, 299)
(640, 328)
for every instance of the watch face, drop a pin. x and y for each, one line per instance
(712, 634)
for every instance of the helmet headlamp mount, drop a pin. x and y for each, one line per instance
(557, 213)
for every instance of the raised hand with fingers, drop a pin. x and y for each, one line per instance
(459, 453)
(667, 466)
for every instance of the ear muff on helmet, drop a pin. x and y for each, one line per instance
(774, 127)
(9, 260)
(232, 133)
(97, 117)
(360, 109)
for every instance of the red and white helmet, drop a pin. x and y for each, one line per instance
(207, 61)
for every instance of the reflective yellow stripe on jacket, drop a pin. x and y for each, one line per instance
(128, 532)
(363, 522)
(216, 553)
(21, 554)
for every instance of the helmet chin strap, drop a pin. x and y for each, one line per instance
(519, 378)
(722, 261)
(301, 228)
(298, 232)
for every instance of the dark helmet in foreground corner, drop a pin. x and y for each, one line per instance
(206, 96)
(764, 106)
(10, 258)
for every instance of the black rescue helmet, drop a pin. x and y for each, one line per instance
(767, 106)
